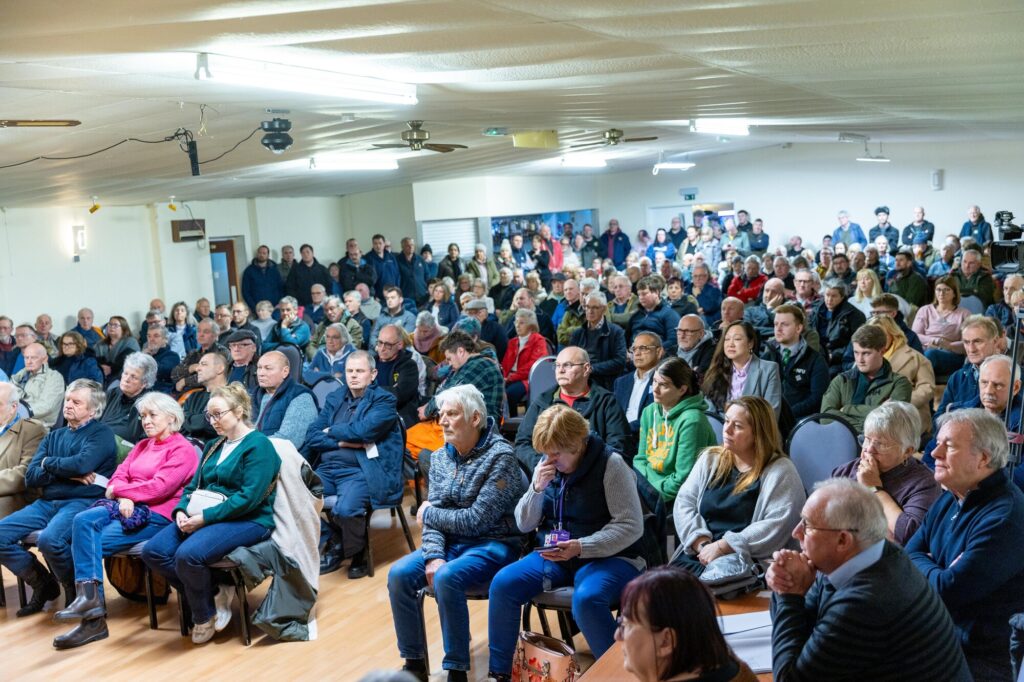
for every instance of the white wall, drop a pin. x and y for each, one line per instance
(388, 211)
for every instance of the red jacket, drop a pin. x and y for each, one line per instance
(536, 348)
(747, 292)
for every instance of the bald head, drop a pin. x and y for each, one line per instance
(272, 370)
(732, 310)
(35, 357)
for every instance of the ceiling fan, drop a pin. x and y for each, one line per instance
(416, 139)
(31, 123)
(612, 137)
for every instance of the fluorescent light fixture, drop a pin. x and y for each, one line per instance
(271, 76)
(721, 126)
(582, 161)
(351, 162)
(674, 165)
(871, 158)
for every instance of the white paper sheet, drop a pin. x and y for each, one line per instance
(750, 636)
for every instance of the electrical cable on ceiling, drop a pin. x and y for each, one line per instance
(237, 145)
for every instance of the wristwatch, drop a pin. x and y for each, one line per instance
(875, 488)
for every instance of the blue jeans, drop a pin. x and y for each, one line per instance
(944, 362)
(469, 566)
(55, 518)
(342, 476)
(183, 559)
(597, 585)
(516, 394)
(95, 535)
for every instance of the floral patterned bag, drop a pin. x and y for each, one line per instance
(543, 659)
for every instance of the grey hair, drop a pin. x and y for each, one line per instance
(1006, 360)
(589, 283)
(426, 320)
(341, 329)
(264, 305)
(598, 296)
(752, 259)
(707, 269)
(838, 285)
(334, 300)
(353, 294)
(366, 355)
(467, 396)
(480, 247)
(897, 419)
(842, 214)
(144, 363)
(210, 323)
(503, 270)
(162, 330)
(387, 676)
(528, 316)
(988, 434)
(851, 506)
(155, 401)
(97, 396)
(12, 393)
(289, 300)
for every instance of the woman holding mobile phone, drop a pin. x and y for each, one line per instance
(584, 507)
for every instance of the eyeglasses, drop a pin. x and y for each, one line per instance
(594, 307)
(567, 366)
(214, 417)
(643, 349)
(808, 528)
(880, 445)
(385, 344)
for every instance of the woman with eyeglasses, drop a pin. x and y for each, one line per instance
(233, 507)
(905, 487)
(73, 363)
(742, 497)
(669, 631)
(113, 349)
(673, 429)
(140, 497)
(583, 507)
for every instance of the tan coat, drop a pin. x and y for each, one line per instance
(17, 447)
(918, 370)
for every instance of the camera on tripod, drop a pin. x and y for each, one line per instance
(1008, 251)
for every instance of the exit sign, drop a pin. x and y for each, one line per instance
(688, 193)
(690, 197)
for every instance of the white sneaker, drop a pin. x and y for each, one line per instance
(222, 601)
(203, 632)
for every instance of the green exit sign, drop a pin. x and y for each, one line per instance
(689, 197)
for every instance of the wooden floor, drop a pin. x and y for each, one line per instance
(356, 635)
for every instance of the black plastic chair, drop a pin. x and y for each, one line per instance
(479, 594)
(229, 568)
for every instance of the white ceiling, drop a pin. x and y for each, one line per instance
(802, 70)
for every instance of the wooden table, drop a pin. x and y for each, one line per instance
(609, 668)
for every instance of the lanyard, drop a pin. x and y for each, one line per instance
(560, 502)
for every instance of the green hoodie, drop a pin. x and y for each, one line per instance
(670, 443)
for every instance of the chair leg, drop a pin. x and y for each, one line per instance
(22, 597)
(564, 627)
(544, 627)
(526, 617)
(420, 597)
(417, 480)
(405, 527)
(150, 603)
(184, 613)
(3, 591)
(369, 545)
(243, 608)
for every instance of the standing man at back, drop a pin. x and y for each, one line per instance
(261, 280)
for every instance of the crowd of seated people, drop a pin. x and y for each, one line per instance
(646, 345)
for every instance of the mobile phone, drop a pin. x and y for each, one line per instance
(545, 548)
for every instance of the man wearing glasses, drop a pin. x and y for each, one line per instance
(851, 600)
(632, 390)
(696, 344)
(598, 405)
(604, 341)
(242, 345)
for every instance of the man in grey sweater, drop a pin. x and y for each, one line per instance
(469, 530)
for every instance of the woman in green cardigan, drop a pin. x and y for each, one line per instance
(241, 465)
(673, 429)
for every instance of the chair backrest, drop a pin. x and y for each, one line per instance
(820, 443)
(717, 424)
(294, 361)
(323, 388)
(974, 304)
(542, 376)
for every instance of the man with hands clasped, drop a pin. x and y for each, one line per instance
(469, 532)
(850, 606)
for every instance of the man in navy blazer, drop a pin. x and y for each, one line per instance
(633, 389)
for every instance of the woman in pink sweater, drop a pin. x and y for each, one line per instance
(141, 496)
(938, 326)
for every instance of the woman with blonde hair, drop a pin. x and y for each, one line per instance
(914, 366)
(868, 287)
(743, 497)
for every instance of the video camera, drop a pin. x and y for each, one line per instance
(1008, 252)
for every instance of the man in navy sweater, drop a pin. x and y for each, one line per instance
(969, 546)
(981, 336)
(65, 470)
(850, 605)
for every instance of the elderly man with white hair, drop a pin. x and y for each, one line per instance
(40, 387)
(65, 469)
(469, 530)
(19, 439)
(850, 599)
(969, 547)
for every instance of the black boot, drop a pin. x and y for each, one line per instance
(360, 566)
(457, 676)
(87, 604)
(89, 630)
(44, 588)
(417, 667)
(330, 560)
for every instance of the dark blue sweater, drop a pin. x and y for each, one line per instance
(973, 555)
(66, 453)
